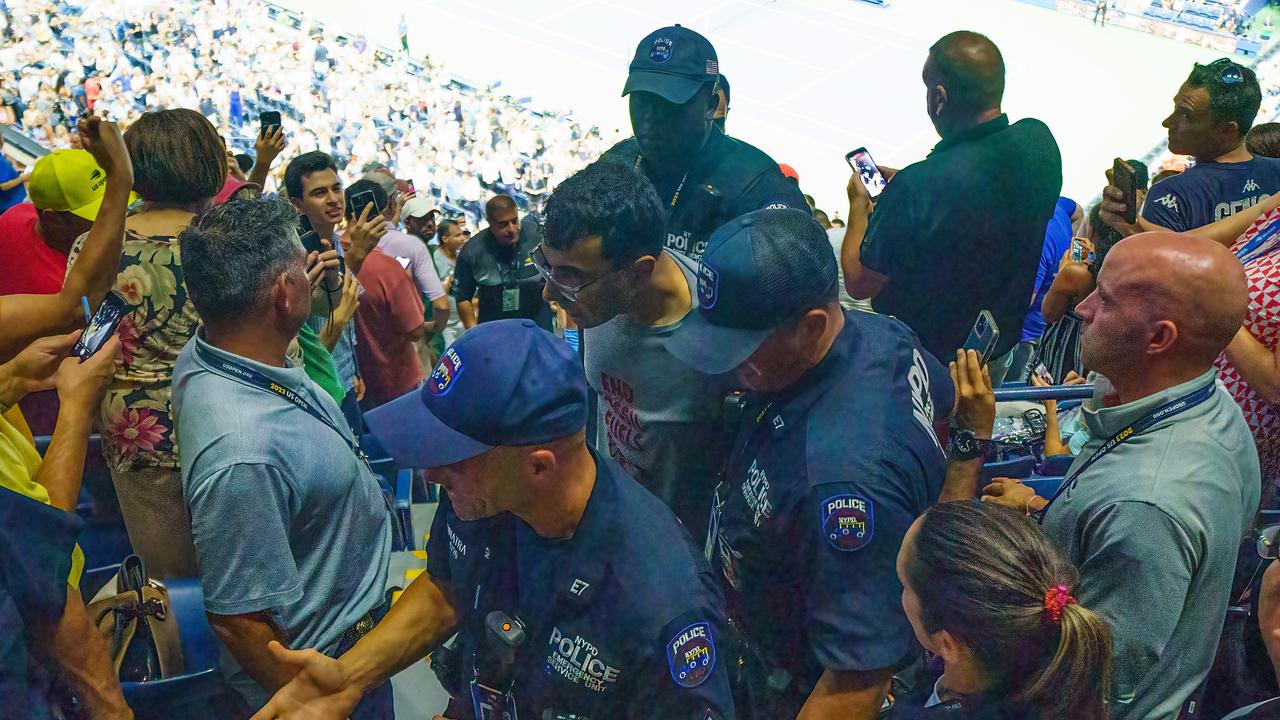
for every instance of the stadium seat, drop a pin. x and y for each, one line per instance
(1055, 465)
(1018, 468)
(1045, 487)
(200, 692)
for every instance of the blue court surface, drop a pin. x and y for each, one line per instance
(811, 79)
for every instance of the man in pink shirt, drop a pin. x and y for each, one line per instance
(389, 318)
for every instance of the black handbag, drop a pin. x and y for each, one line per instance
(140, 631)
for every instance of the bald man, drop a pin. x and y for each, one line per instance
(1153, 509)
(962, 230)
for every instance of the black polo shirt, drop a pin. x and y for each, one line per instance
(624, 620)
(827, 476)
(962, 231)
(729, 178)
(504, 278)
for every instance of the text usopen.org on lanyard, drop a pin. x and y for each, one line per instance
(1174, 407)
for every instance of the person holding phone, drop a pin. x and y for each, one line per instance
(311, 181)
(104, 198)
(704, 177)
(45, 621)
(1213, 112)
(963, 229)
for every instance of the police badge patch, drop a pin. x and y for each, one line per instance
(848, 522)
(691, 655)
(708, 286)
(446, 372)
(660, 52)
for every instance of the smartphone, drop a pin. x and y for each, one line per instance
(1124, 177)
(984, 336)
(1077, 250)
(861, 162)
(268, 120)
(358, 202)
(102, 326)
(1042, 372)
(309, 237)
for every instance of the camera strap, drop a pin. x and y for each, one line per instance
(1174, 407)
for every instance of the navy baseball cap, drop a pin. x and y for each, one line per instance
(760, 271)
(672, 62)
(506, 382)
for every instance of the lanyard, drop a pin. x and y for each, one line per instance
(1164, 412)
(720, 495)
(253, 378)
(674, 198)
(1260, 244)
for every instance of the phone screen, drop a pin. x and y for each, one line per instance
(101, 326)
(861, 162)
(1042, 372)
(309, 237)
(983, 337)
(1077, 250)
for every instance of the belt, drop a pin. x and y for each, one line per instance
(352, 635)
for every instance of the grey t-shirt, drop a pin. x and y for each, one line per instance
(658, 418)
(285, 517)
(1154, 527)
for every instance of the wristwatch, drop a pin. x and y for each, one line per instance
(965, 445)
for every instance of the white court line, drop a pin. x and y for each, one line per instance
(769, 53)
(825, 78)
(563, 11)
(766, 5)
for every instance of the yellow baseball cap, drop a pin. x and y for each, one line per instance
(68, 181)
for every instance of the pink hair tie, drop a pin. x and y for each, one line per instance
(1056, 599)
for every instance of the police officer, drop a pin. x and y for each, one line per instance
(703, 177)
(834, 458)
(494, 277)
(574, 592)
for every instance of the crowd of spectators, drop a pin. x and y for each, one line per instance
(231, 60)
(678, 347)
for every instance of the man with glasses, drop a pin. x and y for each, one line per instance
(1212, 113)
(494, 278)
(604, 262)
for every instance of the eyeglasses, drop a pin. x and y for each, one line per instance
(1232, 74)
(569, 293)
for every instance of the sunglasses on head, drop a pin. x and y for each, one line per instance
(1232, 73)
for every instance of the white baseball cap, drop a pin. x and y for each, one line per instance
(417, 207)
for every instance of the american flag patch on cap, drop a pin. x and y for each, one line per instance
(713, 67)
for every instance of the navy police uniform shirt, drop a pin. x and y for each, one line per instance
(1208, 192)
(729, 178)
(826, 477)
(623, 620)
(504, 279)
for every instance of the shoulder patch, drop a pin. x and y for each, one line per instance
(691, 655)
(848, 522)
(776, 205)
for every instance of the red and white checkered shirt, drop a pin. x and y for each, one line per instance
(1263, 322)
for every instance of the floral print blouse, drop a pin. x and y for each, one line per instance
(135, 421)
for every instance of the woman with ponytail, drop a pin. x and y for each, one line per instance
(985, 591)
